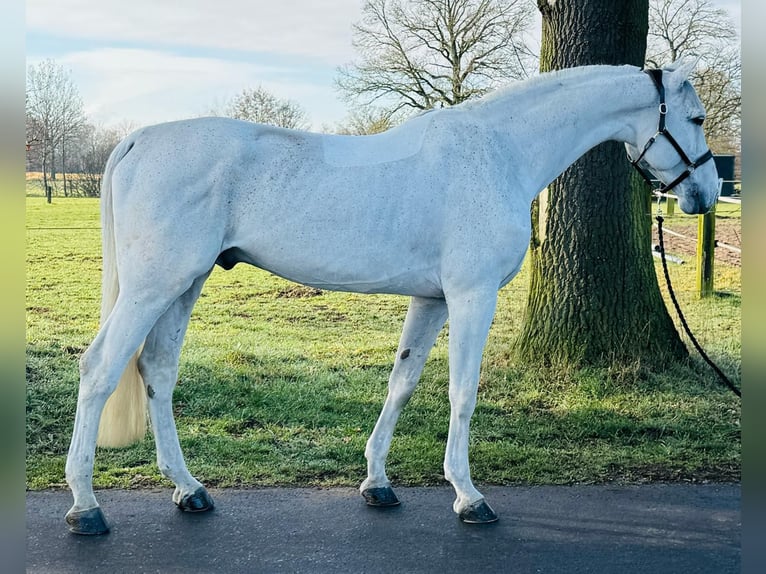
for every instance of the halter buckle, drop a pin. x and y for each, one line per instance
(663, 108)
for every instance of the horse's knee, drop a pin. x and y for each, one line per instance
(462, 400)
(400, 395)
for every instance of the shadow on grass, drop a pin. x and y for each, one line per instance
(255, 421)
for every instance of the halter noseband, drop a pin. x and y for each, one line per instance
(656, 76)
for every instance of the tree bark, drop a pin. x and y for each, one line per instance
(594, 297)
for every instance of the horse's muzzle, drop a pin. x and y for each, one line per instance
(693, 199)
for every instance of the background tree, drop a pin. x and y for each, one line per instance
(95, 146)
(72, 118)
(594, 296)
(365, 120)
(54, 114)
(695, 28)
(261, 106)
(34, 137)
(423, 53)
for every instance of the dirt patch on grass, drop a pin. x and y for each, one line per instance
(298, 292)
(728, 233)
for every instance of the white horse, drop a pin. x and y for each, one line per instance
(437, 209)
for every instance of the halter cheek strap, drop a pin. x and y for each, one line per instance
(662, 130)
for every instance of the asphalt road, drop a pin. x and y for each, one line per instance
(657, 528)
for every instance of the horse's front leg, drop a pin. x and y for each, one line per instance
(425, 318)
(470, 319)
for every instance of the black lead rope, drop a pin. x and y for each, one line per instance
(662, 130)
(724, 379)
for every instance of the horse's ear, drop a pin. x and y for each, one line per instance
(680, 70)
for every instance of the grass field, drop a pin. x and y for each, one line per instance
(281, 385)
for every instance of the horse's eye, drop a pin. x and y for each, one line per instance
(699, 120)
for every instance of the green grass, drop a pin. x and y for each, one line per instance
(280, 386)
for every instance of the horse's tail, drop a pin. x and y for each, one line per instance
(123, 421)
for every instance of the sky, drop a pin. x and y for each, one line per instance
(140, 62)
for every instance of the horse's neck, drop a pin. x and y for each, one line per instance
(561, 116)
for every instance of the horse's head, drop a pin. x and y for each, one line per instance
(672, 142)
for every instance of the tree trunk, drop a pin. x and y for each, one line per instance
(46, 187)
(63, 165)
(594, 296)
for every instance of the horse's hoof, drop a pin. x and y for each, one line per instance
(478, 513)
(381, 496)
(89, 522)
(198, 501)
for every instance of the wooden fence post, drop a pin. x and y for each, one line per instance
(705, 252)
(670, 205)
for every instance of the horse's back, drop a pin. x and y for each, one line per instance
(267, 196)
(243, 192)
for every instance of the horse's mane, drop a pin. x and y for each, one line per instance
(543, 79)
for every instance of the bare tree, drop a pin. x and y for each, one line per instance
(72, 122)
(365, 121)
(34, 137)
(261, 106)
(697, 29)
(54, 115)
(424, 53)
(96, 145)
(41, 116)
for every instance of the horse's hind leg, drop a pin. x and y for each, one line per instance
(425, 318)
(158, 364)
(100, 369)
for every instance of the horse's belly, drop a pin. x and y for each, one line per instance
(402, 284)
(351, 270)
